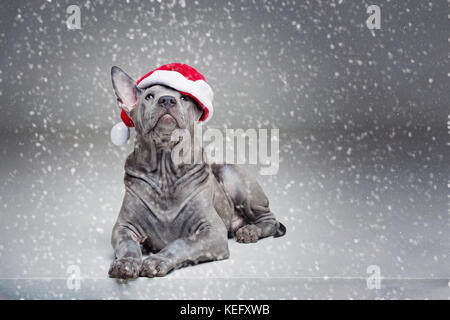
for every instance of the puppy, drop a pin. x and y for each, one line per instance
(179, 213)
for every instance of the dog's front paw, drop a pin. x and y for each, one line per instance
(248, 233)
(155, 266)
(125, 268)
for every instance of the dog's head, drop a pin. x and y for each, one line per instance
(157, 111)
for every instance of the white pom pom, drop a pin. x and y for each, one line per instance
(120, 133)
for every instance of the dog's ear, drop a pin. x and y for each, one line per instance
(198, 111)
(125, 88)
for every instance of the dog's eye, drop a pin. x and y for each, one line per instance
(184, 98)
(149, 96)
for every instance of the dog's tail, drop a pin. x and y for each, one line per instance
(281, 231)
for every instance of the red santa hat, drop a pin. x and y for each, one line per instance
(178, 76)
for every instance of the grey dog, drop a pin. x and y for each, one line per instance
(178, 213)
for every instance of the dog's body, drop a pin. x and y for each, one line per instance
(180, 213)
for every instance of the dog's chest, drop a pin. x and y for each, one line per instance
(166, 199)
(166, 189)
(168, 210)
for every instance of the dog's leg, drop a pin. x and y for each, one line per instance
(261, 222)
(128, 255)
(208, 243)
(251, 204)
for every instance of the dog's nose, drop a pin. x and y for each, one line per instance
(167, 101)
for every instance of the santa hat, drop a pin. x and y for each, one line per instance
(178, 76)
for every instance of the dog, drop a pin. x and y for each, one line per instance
(179, 213)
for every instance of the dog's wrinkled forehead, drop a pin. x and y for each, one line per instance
(159, 89)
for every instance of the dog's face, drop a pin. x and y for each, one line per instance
(161, 110)
(156, 111)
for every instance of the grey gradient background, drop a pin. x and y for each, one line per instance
(363, 142)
